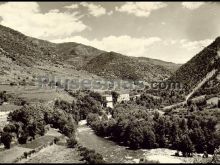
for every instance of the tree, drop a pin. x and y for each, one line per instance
(23, 138)
(6, 139)
(176, 144)
(198, 139)
(115, 96)
(91, 118)
(91, 157)
(183, 125)
(68, 129)
(160, 128)
(189, 102)
(32, 129)
(98, 97)
(71, 142)
(149, 138)
(135, 135)
(186, 145)
(9, 128)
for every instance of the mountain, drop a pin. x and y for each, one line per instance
(76, 54)
(115, 65)
(23, 57)
(201, 69)
(25, 50)
(172, 67)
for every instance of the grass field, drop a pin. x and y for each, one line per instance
(36, 94)
(54, 154)
(9, 156)
(8, 107)
(38, 142)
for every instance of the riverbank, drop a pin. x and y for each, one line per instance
(113, 153)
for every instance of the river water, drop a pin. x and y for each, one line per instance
(112, 152)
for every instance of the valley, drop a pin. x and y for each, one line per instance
(44, 121)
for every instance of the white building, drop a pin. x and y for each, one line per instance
(109, 100)
(123, 97)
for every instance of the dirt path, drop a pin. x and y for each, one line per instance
(204, 80)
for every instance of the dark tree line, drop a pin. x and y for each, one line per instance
(91, 102)
(152, 99)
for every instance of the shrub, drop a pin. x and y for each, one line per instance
(23, 139)
(25, 155)
(12, 84)
(71, 142)
(115, 96)
(6, 139)
(56, 139)
(90, 156)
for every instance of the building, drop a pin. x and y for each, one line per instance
(123, 97)
(109, 100)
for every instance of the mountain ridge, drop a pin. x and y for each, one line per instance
(28, 52)
(199, 67)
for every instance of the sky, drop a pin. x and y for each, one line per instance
(169, 31)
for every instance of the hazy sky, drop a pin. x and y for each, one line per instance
(170, 31)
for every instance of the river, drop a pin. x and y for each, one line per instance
(112, 152)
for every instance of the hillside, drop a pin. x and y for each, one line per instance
(172, 67)
(200, 67)
(76, 54)
(25, 50)
(115, 65)
(24, 56)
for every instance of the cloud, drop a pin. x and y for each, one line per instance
(195, 45)
(73, 6)
(192, 5)
(94, 10)
(140, 9)
(27, 18)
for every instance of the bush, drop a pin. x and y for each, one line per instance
(91, 118)
(6, 139)
(56, 139)
(12, 84)
(23, 139)
(25, 155)
(90, 156)
(71, 142)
